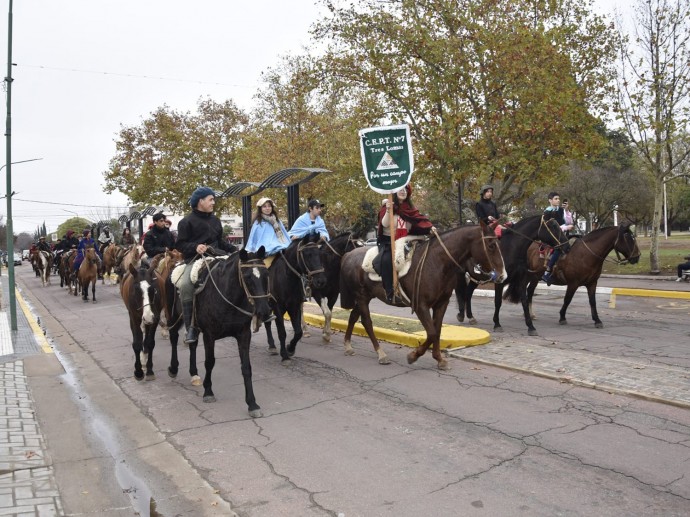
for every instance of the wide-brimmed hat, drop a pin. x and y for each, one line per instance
(263, 200)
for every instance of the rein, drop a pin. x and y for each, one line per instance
(620, 261)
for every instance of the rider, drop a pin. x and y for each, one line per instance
(158, 239)
(406, 220)
(310, 222)
(267, 229)
(43, 245)
(554, 211)
(127, 238)
(85, 242)
(72, 241)
(104, 239)
(487, 210)
(196, 233)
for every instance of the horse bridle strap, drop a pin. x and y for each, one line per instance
(244, 286)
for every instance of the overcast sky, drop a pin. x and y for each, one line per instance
(86, 67)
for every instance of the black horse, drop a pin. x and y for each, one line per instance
(234, 301)
(293, 271)
(514, 245)
(331, 254)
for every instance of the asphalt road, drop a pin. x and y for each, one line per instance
(345, 436)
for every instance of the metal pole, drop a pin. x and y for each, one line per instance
(8, 172)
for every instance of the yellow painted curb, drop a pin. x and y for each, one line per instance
(38, 333)
(452, 336)
(651, 293)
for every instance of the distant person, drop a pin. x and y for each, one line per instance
(310, 222)
(158, 239)
(555, 211)
(43, 245)
(105, 239)
(685, 266)
(127, 237)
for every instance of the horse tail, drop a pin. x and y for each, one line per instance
(515, 285)
(347, 288)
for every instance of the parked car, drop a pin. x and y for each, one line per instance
(17, 258)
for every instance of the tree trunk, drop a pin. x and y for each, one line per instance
(656, 224)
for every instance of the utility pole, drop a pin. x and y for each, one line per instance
(8, 172)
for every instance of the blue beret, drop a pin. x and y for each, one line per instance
(200, 193)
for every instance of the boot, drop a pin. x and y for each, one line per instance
(547, 277)
(192, 333)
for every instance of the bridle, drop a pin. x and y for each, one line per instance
(545, 223)
(621, 259)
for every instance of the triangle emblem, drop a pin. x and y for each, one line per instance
(387, 162)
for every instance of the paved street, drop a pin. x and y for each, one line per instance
(344, 435)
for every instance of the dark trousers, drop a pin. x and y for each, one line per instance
(683, 267)
(554, 257)
(386, 267)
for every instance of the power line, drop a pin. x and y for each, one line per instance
(69, 204)
(135, 76)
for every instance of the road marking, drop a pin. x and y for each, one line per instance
(6, 345)
(38, 332)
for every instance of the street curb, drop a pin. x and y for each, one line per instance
(33, 323)
(452, 336)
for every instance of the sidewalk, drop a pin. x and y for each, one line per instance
(27, 481)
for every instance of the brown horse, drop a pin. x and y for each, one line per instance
(66, 270)
(131, 256)
(427, 283)
(142, 300)
(582, 265)
(88, 274)
(111, 254)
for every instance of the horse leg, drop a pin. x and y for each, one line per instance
(304, 326)
(93, 290)
(531, 287)
(468, 302)
(137, 340)
(209, 363)
(592, 293)
(498, 301)
(85, 291)
(174, 363)
(269, 336)
(295, 313)
(243, 342)
(354, 316)
(369, 327)
(193, 372)
(327, 317)
(531, 331)
(439, 313)
(432, 325)
(149, 345)
(282, 335)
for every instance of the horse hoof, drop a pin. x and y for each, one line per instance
(272, 350)
(209, 398)
(171, 373)
(384, 360)
(599, 325)
(532, 332)
(460, 317)
(291, 351)
(150, 376)
(286, 362)
(473, 321)
(196, 380)
(443, 365)
(498, 329)
(255, 413)
(139, 376)
(562, 322)
(411, 358)
(306, 334)
(349, 351)
(326, 339)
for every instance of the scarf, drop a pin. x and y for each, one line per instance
(273, 221)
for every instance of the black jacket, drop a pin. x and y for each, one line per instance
(486, 208)
(157, 240)
(200, 228)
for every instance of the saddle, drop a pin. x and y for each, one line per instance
(199, 275)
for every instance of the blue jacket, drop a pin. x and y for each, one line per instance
(263, 234)
(304, 226)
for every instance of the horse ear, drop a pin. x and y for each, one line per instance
(261, 252)
(243, 255)
(485, 228)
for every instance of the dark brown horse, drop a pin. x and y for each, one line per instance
(426, 283)
(141, 298)
(514, 244)
(583, 264)
(88, 274)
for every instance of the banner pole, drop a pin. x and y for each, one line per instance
(391, 223)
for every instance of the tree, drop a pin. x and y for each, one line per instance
(494, 90)
(76, 224)
(654, 94)
(161, 161)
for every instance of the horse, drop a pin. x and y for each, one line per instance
(514, 244)
(232, 303)
(331, 254)
(141, 297)
(36, 262)
(293, 269)
(43, 265)
(131, 256)
(65, 268)
(583, 264)
(433, 262)
(111, 254)
(88, 274)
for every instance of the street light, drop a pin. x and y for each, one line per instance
(10, 243)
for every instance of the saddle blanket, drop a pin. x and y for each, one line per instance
(404, 251)
(196, 266)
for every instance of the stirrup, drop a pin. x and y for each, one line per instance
(192, 336)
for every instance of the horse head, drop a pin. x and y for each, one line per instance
(550, 233)
(309, 259)
(145, 293)
(90, 255)
(486, 254)
(254, 280)
(626, 245)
